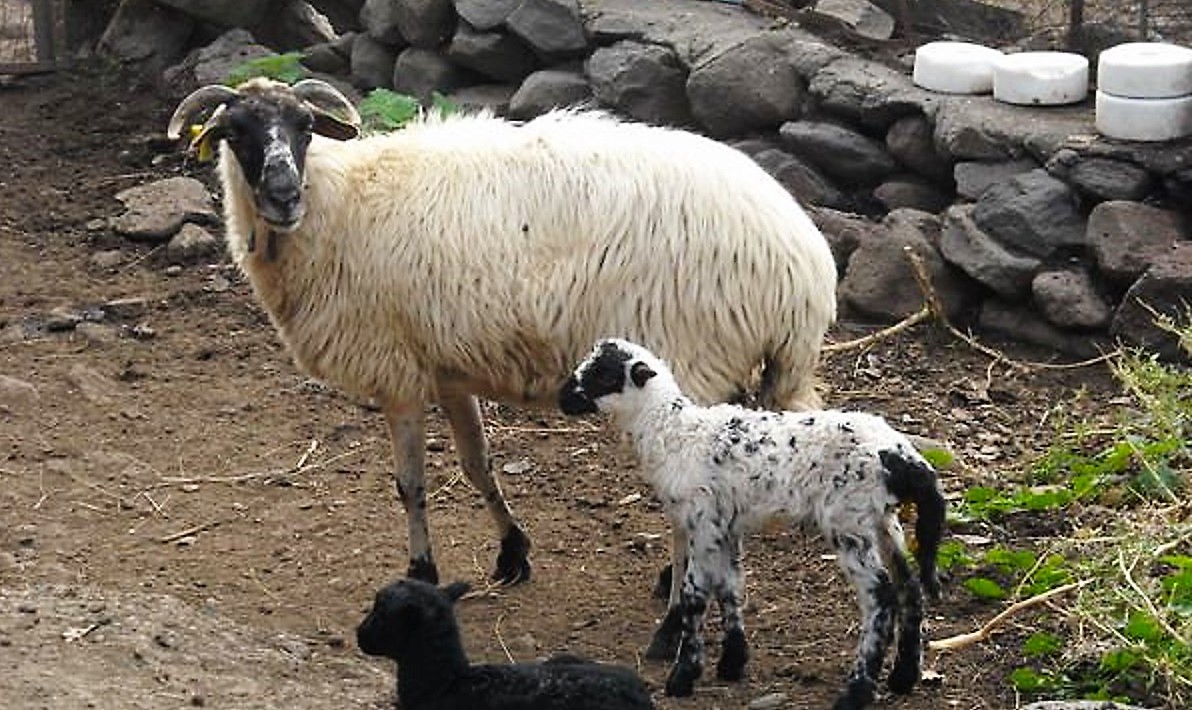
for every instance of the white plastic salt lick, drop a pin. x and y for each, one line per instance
(955, 67)
(1145, 70)
(1041, 78)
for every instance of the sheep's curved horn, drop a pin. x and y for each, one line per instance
(199, 100)
(335, 116)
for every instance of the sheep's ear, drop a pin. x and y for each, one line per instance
(641, 373)
(455, 590)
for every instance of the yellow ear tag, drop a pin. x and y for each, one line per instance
(203, 150)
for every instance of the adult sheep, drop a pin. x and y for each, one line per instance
(470, 256)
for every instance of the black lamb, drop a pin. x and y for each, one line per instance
(414, 624)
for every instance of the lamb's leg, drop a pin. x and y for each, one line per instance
(878, 599)
(908, 660)
(407, 433)
(689, 661)
(665, 643)
(463, 413)
(734, 650)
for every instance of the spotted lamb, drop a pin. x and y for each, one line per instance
(721, 471)
(414, 624)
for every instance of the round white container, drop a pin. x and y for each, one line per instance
(1145, 70)
(955, 67)
(1144, 119)
(1041, 78)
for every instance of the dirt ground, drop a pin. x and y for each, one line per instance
(186, 520)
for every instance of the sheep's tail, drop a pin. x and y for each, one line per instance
(914, 480)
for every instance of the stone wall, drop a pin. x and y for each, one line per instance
(1032, 225)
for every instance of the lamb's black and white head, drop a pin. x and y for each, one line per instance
(617, 375)
(268, 126)
(404, 613)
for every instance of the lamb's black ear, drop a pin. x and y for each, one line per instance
(455, 590)
(641, 373)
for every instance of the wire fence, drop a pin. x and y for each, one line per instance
(1142, 20)
(31, 34)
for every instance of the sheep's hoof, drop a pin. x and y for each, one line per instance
(681, 682)
(903, 676)
(665, 644)
(857, 694)
(423, 569)
(734, 653)
(663, 586)
(513, 562)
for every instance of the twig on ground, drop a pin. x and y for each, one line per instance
(455, 478)
(1154, 613)
(241, 478)
(933, 309)
(497, 631)
(310, 449)
(252, 571)
(982, 634)
(910, 321)
(190, 531)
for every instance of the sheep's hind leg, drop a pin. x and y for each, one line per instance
(463, 413)
(878, 599)
(908, 660)
(407, 432)
(734, 650)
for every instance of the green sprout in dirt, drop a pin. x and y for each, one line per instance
(1126, 633)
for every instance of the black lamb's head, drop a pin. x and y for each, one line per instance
(268, 126)
(403, 613)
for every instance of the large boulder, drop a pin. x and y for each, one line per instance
(224, 13)
(485, 15)
(1032, 212)
(422, 72)
(496, 55)
(644, 81)
(963, 243)
(725, 105)
(215, 62)
(146, 33)
(1126, 238)
(973, 177)
(380, 21)
(911, 141)
(547, 89)
(372, 63)
(554, 28)
(296, 24)
(1163, 292)
(1069, 298)
(426, 24)
(802, 180)
(839, 151)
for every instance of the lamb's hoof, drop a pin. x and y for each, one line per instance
(857, 695)
(903, 677)
(663, 647)
(663, 586)
(665, 644)
(423, 569)
(733, 654)
(681, 682)
(513, 562)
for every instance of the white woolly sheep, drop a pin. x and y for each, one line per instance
(414, 624)
(721, 471)
(469, 256)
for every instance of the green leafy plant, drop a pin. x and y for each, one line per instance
(384, 110)
(286, 68)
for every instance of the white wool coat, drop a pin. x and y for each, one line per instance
(493, 255)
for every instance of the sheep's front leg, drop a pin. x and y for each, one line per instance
(407, 432)
(665, 643)
(463, 413)
(689, 662)
(878, 599)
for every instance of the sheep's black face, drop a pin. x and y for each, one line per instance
(610, 367)
(269, 135)
(402, 612)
